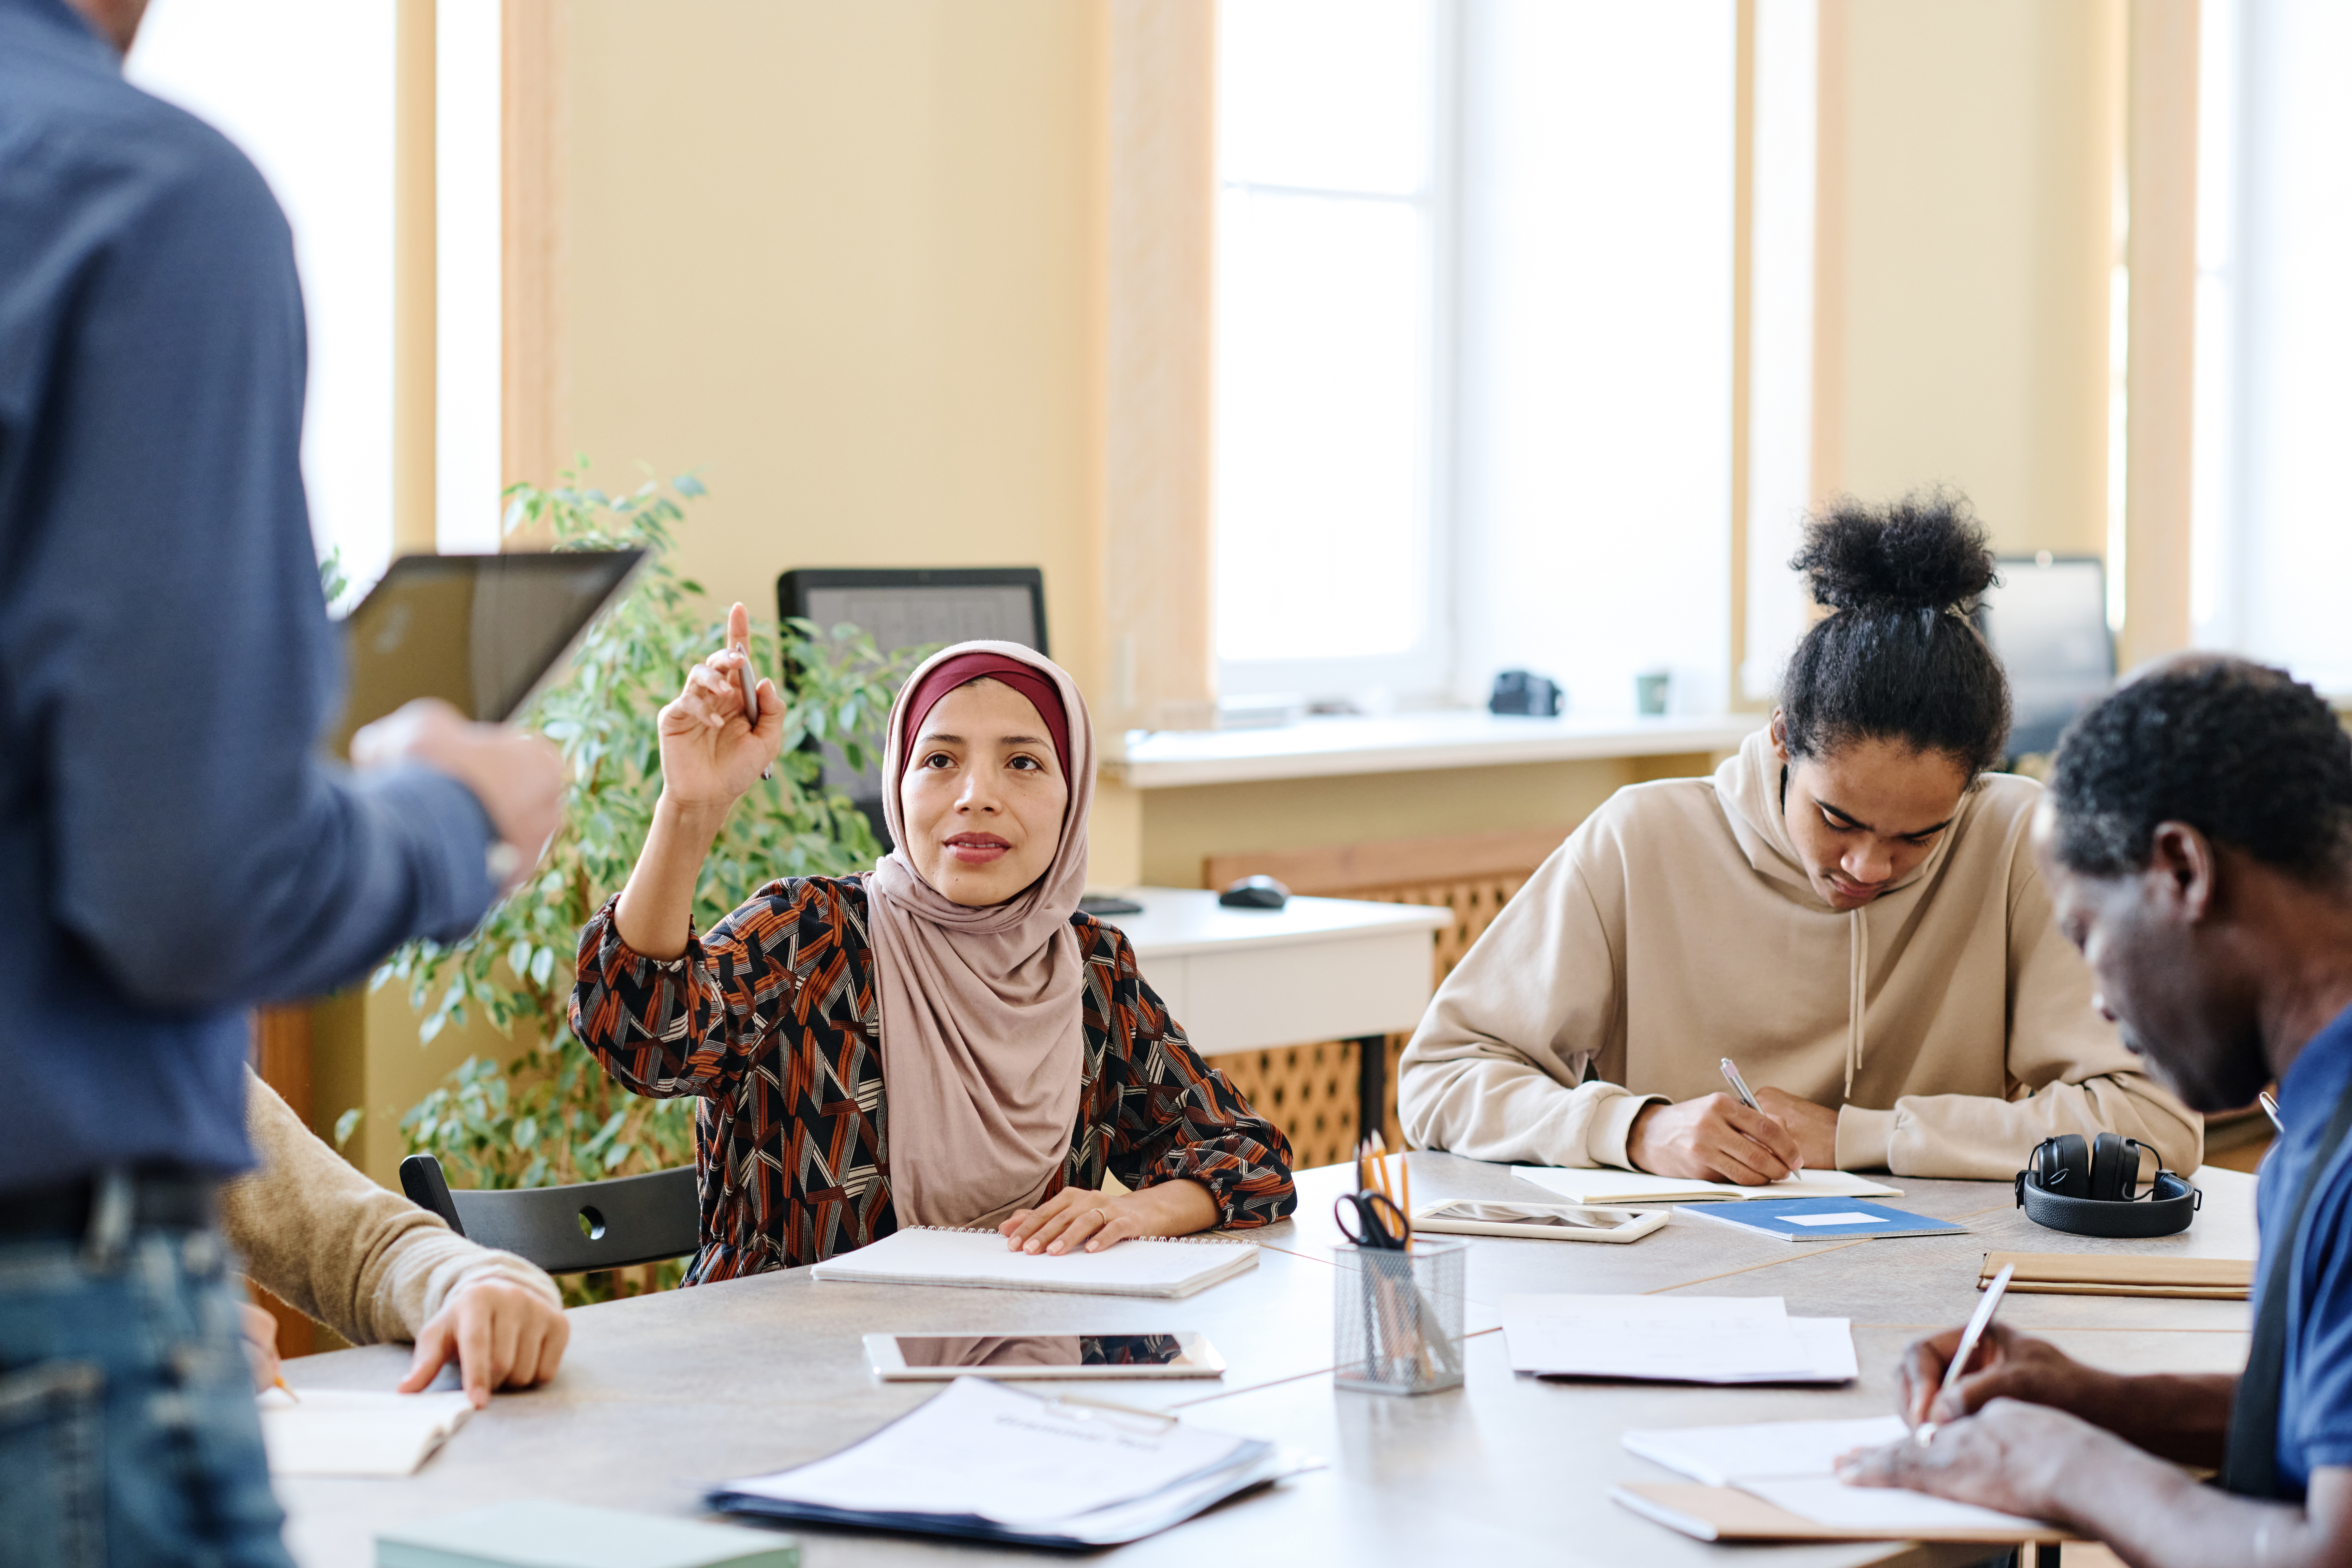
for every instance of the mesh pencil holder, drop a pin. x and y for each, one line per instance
(1397, 1316)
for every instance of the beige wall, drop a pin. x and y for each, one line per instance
(1969, 185)
(843, 260)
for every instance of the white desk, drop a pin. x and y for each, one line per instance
(1316, 969)
(663, 1396)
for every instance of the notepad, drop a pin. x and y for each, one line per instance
(1828, 1219)
(1670, 1339)
(1001, 1464)
(2123, 1274)
(1580, 1185)
(1162, 1267)
(356, 1432)
(1761, 1450)
(1789, 1467)
(540, 1534)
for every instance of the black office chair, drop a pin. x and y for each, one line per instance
(568, 1230)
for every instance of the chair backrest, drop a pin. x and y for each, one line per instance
(566, 1230)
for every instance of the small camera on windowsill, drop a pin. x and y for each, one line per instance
(1528, 695)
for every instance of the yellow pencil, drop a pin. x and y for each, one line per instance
(289, 1393)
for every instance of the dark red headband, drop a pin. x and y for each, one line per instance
(966, 667)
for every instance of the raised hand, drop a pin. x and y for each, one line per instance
(713, 748)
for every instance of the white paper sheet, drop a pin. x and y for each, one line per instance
(1711, 1339)
(1580, 1185)
(982, 1448)
(1896, 1513)
(1763, 1451)
(356, 1432)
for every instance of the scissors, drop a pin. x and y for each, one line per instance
(1372, 1219)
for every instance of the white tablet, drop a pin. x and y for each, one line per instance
(898, 1358)
(1543, 1222)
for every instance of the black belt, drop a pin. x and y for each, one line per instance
(162, 1198)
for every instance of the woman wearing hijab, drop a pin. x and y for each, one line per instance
(944, 1040)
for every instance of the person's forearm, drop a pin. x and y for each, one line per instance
(1177, 1208)
(2183, 1419)
(2156, 1516)
(656, 911)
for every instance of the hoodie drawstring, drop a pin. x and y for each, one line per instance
(1857, 991)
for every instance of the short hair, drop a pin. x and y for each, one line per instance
(1900, 659)
(2248, 755)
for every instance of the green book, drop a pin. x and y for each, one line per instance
(568, 1535)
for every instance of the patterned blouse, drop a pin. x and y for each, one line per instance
(771, 1021)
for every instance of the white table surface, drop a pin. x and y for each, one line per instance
(1316, 969)
(662, 1396)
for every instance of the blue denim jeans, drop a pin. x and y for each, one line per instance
(127, 1433)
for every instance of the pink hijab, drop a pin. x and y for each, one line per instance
(982, 1029)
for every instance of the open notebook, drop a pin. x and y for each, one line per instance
(356, 1432)
(1581, 1184)
(1775, 1480)
(1162, 1267)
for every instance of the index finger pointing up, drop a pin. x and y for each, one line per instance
(739, 625)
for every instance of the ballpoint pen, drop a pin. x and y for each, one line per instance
(1982, 1319)
(2269, 1109)
(752, 698)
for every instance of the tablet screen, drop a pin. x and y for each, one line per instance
(1533, 1213)
(480, 631)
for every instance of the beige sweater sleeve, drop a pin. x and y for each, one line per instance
(329, 1242)
(2068, 1071)
(1496, 1071)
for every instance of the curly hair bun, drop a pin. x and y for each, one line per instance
(1924, 551)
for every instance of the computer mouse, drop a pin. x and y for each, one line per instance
(1254, 893)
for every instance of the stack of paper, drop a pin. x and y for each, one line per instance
(1580, 1185)
(1000, 1464)
(1789, 1469)
(1149, 1267)
(353, 1432)
(1681, 1338)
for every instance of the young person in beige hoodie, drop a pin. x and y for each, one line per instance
(1848, 909)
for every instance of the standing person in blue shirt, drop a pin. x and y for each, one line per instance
(2197, 837)
(171, 848)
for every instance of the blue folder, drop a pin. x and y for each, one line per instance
(1820, 1219)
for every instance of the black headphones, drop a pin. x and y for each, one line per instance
(2086, 1188)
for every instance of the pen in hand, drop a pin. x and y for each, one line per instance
(1925, 1433)
(1739, 1087)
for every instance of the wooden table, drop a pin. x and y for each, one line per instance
(662, 1396)
(1316, 969)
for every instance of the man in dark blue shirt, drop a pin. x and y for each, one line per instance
(172, 850)
(2197, 840)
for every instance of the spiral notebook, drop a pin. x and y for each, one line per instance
(1162, 1267)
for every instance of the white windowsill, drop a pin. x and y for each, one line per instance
(1409, 742)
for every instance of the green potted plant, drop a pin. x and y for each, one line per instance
(551, 1116)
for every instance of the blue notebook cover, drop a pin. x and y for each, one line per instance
(1822, 1219)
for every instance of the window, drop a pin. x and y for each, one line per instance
(1328, 574)
(305, 91)
(1474, 343)
(2272, 532)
